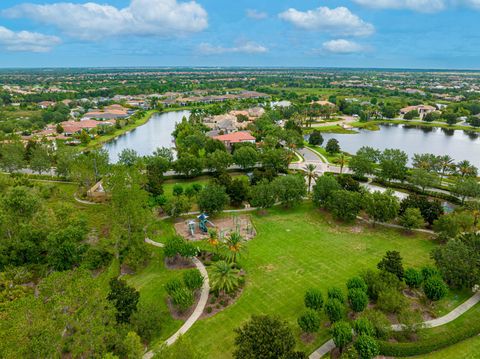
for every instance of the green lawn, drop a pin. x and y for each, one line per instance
(150, 283)
(296, 250)
(468, 349)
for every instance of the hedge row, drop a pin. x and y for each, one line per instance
(414, 189)
(426, 346)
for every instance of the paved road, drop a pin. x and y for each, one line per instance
(318, 160)
(454, 314)
(198, 309)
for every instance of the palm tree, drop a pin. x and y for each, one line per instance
(223, 277)
(342, 161)
(235, 244)
(310, 174)
(445, 165)
(466, 169)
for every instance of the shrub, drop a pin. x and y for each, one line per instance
(358, 299)
(391, 301)
(413, 278)
(193, 279)
(429, 271)
(342, 334)
(357, 282)
(182, 298)
(264, 337)
(334, 309)
(380, 323)
(363, 326)
(435, 288)
(177, 246)
(177, 190)
(336, 293)
(147, 321)
(172, 285)
(392, 262)
(432, 343)
(379, 281)
(96, 258)
(309, 321)
(313, 299)
(367, 347)
(350, 353)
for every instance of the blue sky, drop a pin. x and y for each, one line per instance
(330, 33)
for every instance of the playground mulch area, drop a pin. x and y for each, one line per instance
(223, 225)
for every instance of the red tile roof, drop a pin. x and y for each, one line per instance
(235, 137)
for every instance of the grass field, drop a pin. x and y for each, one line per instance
(150, 283)
(293, 251)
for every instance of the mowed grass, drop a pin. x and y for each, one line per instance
(293, 251)
(150, 282)
(468, 349)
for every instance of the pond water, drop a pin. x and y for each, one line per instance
(145, 139)
(460, 145)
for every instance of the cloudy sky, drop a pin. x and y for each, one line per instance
(348, 33)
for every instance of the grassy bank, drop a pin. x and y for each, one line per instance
(374, 125)
(99, 141)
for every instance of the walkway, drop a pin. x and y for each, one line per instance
(454, 314)
(202, 302)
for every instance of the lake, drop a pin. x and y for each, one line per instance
(460, 145)
(145, 139)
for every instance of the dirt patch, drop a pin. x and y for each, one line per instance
(268, 268)
(224, 227)
(307, 338)
(176, 314)
(125, 269)
(412, 294)
(356, 229)
(216, 304)
(179, 263)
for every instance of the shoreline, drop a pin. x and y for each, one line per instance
(374, 126)
(96, 143)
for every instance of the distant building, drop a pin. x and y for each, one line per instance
(323, 103)
(421, 109)
(112, 112)
(46, 104)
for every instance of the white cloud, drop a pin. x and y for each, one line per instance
(92, 21)
(256, 15)
(471, 3)
(427, 6)
(339, 20)
(26, 41)
(342, 46)
(248, 47)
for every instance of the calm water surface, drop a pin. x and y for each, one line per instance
(459, 145)
(145, 139)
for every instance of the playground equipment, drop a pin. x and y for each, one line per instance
(191, 228)
(202, 223)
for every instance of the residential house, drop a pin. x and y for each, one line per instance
(236, 137)
(421, 109)
(46, 104)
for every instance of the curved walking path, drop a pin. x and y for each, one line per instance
(447, 318)
(202, 302)
(83, 201)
